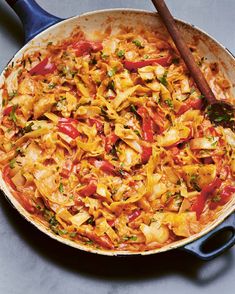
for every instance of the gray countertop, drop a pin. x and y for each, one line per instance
(32, 263)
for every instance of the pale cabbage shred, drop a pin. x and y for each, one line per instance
(141, 206)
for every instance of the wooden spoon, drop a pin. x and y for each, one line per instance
(219, 112)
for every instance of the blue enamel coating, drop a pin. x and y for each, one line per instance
(34, 18)
(196, 247)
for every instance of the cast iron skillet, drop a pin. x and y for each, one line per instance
(37, 21)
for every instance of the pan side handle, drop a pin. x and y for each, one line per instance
(197, 247)
(33, 17)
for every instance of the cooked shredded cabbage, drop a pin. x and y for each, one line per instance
(107, 143)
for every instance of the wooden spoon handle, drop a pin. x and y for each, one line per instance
(186, 54)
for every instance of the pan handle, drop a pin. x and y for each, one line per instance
(197, 247)
(33, 17)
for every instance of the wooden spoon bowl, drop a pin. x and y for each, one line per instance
(219, 112)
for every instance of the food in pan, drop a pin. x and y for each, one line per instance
(107, 142)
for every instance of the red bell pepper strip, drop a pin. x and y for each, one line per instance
(158, 119)
(85, 47)
(111, 223)
(205, 193)
(67, 120)
(134, 215)
(224, 197)
(89, 190)
(7, 110)
(147, 128)
(132, 183)
(134, 65)
(146, 153)
(110, 141)
(25, 202)
(194, 104)
(108, 168)
(103, 241)
(208, 160)
(68, 129)
(104, 165)
(6, 177)
(147, 124)
(99, 125)
(43, 68)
